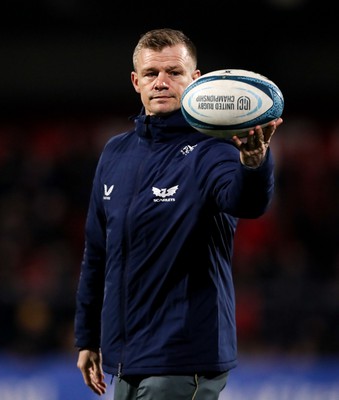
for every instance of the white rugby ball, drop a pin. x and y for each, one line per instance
(230, 102)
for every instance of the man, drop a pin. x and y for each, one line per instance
(155, 302)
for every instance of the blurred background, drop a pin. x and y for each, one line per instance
(65, 89)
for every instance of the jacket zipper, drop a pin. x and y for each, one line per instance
(119, 371)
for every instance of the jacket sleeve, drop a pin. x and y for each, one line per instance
(238, 190)
(89, 296)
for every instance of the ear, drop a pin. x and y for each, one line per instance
(196, 74)
(135, 81)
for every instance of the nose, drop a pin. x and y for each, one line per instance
(160, 83)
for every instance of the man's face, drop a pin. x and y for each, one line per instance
(161, 78)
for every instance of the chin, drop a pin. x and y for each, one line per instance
(164, 110)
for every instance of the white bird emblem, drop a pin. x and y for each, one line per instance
(165, 192)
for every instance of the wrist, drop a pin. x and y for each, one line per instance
(94, 349)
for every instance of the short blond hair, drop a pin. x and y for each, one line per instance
(157, 39)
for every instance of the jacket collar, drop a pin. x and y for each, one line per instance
(162, 128)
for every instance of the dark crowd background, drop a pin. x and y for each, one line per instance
(65, 89)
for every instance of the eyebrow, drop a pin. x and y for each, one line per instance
(167, 69)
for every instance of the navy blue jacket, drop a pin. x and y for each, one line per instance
(155, 289)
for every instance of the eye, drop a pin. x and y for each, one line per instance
(150, 74)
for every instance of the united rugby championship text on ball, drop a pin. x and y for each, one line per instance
(213, 102)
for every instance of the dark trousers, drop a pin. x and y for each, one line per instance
(170, 387)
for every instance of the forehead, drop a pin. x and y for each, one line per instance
(174, 56)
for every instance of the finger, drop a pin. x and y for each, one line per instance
(89, 364)
(88, 380)
(93, 380)
(97, 385)
(278, 122)
(237, 141)
(251, 140)
(268, 132)
(259, 133)
(98, 376)
(98, 389)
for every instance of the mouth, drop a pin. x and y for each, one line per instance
(160, 97)
(163, 94)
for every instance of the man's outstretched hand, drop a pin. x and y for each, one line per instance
(253, 150)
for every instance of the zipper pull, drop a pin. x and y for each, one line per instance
(119, 371)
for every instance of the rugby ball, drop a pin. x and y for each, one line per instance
(230, 102)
